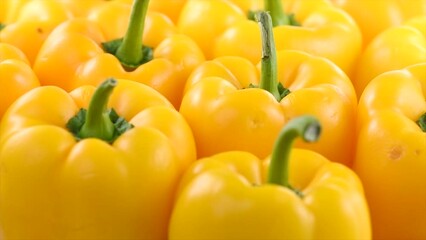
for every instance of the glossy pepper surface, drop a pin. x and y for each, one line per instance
(109, 172)
(391, 152)
(93, 57)
(16, 76)
(218, 15)
(219, 101)
(394, 48)
(33, 22)
(171, 9)
(82, 8)
(297, 195)
(316, 27)
(9, 10)
(384, 14)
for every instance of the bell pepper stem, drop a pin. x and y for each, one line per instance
(130, 51)
(275, 9)
(98, 123)
(278, 16)
(422, 122)
(309, 129)
(269, 72)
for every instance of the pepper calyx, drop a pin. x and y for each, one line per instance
(113, 45)
(98, 121)
(422, 122)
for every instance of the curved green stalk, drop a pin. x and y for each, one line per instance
(129, 49)
(98, 124)
(269, 71)
(98, 121)
(309, 129)
(275, 9)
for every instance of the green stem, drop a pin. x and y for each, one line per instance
(130, 51)
(275, 9)
(306, 127)
(422, 122)
(269, 71)
(2, 26)
(97, 122)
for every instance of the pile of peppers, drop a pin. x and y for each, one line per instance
(212, 119)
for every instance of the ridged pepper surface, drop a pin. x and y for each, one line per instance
(391, 152)
(33, 22)
(294, 194)
(228, 108)
(108, 172)
(395, 48)
(316, 27)
(16, 76)
(87, 51)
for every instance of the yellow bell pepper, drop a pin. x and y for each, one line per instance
(248, 6)
(9, 10)
(171, 8)
(395, 48)
(35, 20)
(204, 21)
(81, 8)
(113, 16)
(316, 27)
(226, 114)
(16, 76)
(302, 195)
(67, 173)
(374, 17)
(391, 152)
(73, 51)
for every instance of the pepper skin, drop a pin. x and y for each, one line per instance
(325, 30)
(157, 26)
(172, 9)
(82, 8)
(218, 15)
(384, 14)
(395, 48)
(219, 102)
(35, 20)
(9, 9)
(17, 77)
(99, 182)
(73, 51)
(248, 6)
(391, 152)
(301, 196)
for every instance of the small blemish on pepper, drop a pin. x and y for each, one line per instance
(396, 153)
(255, 123)
(40, 30)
